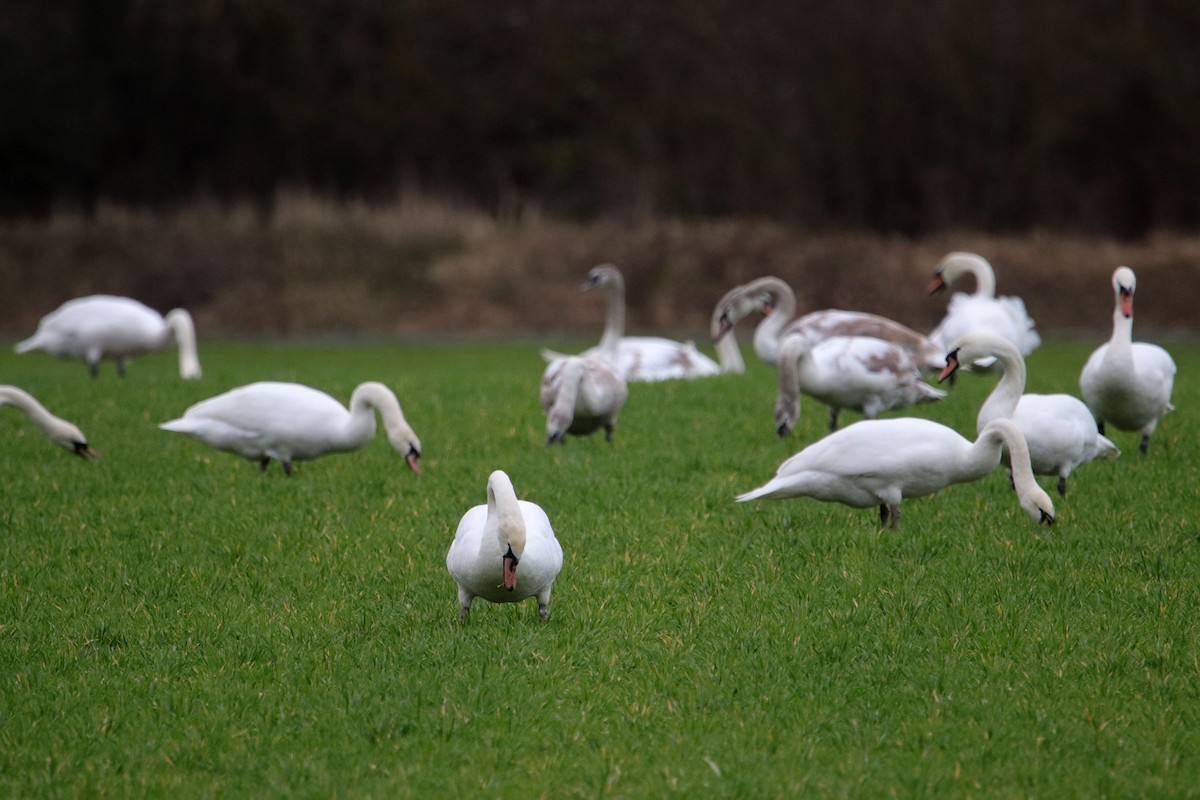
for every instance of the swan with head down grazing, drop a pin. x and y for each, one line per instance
(102, 327)
(1059, 429)
(641, 358)
(581, 394)
(879, 462)
(773, 297)
(64, 434)
(1128, 383)
(290, 422)
(981, 312)
(861, 373)
(504, 551)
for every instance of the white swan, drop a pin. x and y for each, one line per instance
(581, 394)
(862, 373)
(504, 551)
(59, 431)
(980, 312)
(774, 298)
(882, 461)
(117, 328)
(291, 422)
(642, 358)
(1058, 428)
(1124, 382)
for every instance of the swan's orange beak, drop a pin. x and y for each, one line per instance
(412, 459)
(510, 570)
(1126, 303)
(723, 327)
(82, 449)
(951, 366)
(936, 285)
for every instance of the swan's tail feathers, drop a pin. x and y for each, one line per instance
(561, 413)
(181, 425)
(1104, 448)
(929, 394)
(770, 489)
(32, 343)
(552, 355)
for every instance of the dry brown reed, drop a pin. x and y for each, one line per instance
(312, 266)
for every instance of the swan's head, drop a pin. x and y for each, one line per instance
(505, 510)
(737, 305)
(980, 349)
(602, 275)
(1124, 283)
(953, 267)
(1038, 505)
(406, 443)
(70, 438)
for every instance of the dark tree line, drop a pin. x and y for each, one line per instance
(1078, 115)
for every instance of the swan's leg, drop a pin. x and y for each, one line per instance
(94, 368)
(287, 468)
(263, 463)
(122, 363)
(1145, 444)
(895, 524)
(1062, 485)
(608, 432)
(543, 599)
(464, 602)
(833, 415)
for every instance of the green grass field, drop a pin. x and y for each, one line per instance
(174, 623)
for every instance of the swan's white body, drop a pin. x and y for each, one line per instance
(641, 358)
(981, 312)
(862, 373)
(290, 422)
(1059, 429)
(58, 430)
(880, 462)
(774, 298)
(101, 327)
(1128, 383)
(504, 551)
(581, 394)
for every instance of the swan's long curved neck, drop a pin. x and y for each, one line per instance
(505, 527)
(768, 332)
(27, 404)
(614, 321)
(985, 279)
(1002, 402)
(184, 330)
(359, 427)
(1122, 333)
(984, 455)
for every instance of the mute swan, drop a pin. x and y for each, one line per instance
(1058, 428)
(642, 358)
(1124, 382)
(105, 327)
(882, 461)
(858, 372)
(59, 431)
(290, 422)
(774, 298)
(982, 311)
(579, 395)
(493, 540)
